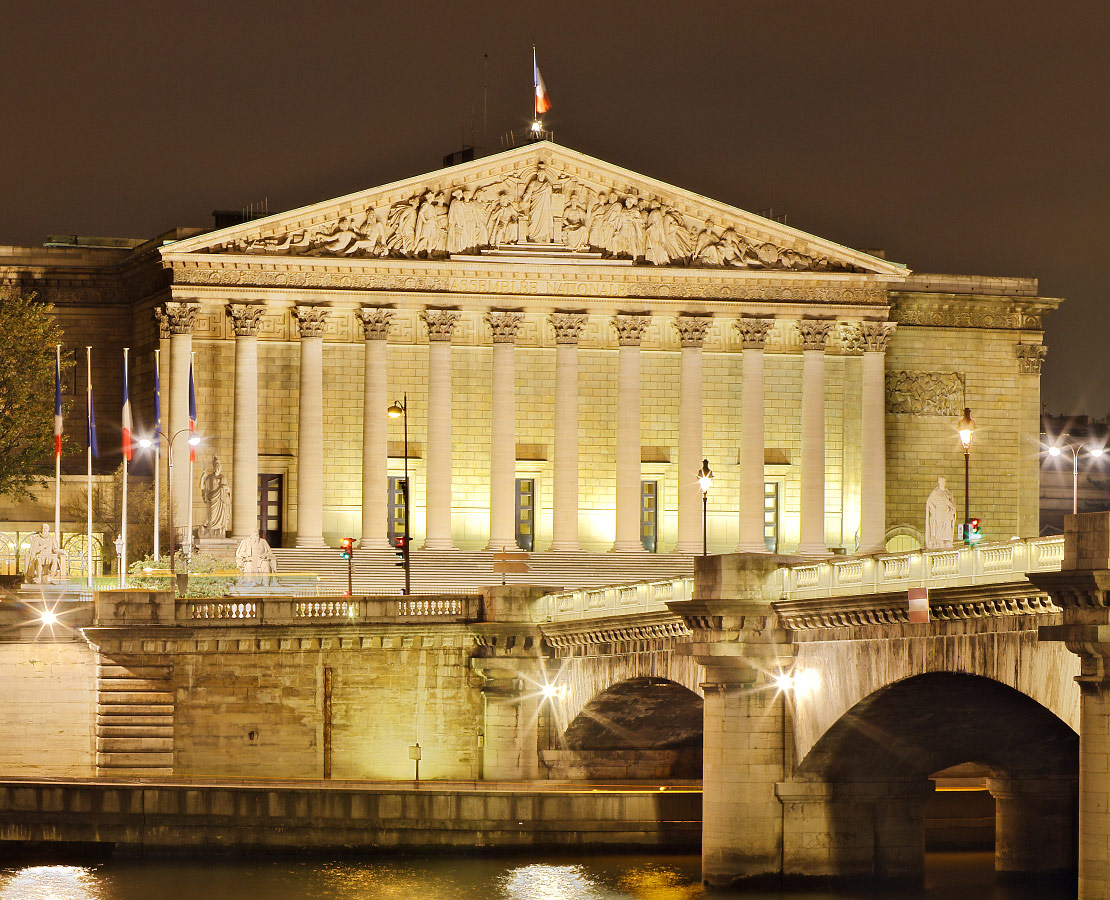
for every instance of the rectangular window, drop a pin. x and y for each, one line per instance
(271, 490)
(395, 526)
(649, 515)
(771, 516)
(526, 513)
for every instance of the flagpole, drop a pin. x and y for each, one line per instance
(126, 453)
(88, 456)
(157, 455)
(57, 452)
(535, 87)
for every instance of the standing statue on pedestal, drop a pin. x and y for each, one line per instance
(255, 559)
(44, 556)
(940, 517)
(215, 491)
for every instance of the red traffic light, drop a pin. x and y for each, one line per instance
(347, 548)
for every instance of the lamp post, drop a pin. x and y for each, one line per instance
(400, 408)
(1055, 450)
(705, 479)
(966, 428)
(148, 442)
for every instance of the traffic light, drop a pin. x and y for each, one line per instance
(400, 550)
(347, 548)
(974, 535)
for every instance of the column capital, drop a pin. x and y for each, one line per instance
(245, 318)
(440, 322)
(568, 326)
(630, 329)
(163, 320)
(753, 332)
(874, 336)
(691, 329)
(1030, 357)
(181, 316)
(814, 332)
(311, 319)
(375, 322)
(504, 326)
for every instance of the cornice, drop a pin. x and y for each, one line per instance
(612, 629)
(940, 310)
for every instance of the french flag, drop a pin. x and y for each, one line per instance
(192, 416)
(157, 406)
(58, 402)
(125, 417)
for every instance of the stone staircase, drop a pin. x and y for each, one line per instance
(375, 572)
(134, 719)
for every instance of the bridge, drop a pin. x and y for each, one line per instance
(811, 705)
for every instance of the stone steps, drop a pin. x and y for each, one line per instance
(134, 719)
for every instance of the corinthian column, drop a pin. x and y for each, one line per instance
(815, 334)
(630, 331)
(181, 318)
(502, 453)
(568, 328)
(753, 337)
(872, 526)
(244, 459)
(691, 331)
(310, 427)
(375, 448)
(441, 323)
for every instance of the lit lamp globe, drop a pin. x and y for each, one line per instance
(966, 429)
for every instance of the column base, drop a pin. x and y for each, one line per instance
(813, 550)
(310, 542)
(375, 543)
(695, 548)
(628, 547)
(502, 544)
(565, 546)
(438, 544)
(752, 547)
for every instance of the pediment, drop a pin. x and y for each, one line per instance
(541, 201)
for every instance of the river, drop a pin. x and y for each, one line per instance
(951, 876)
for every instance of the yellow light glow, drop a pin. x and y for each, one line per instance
(48, 617)
(1054, 451)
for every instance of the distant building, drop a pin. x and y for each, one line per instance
(573, 339)
(1092, 487)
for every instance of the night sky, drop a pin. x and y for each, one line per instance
(965, 137)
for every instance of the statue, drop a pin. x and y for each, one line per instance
(215, 491)
(255, 559)
(538, 198)
(940, 517)
(44, 556)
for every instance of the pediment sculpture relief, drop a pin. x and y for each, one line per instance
(536, 206)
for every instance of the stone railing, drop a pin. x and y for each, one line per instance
(622, 600)
(955, 567)
(284, 610)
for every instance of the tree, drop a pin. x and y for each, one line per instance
(28, 335)
(106, 502)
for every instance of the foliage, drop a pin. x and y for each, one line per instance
(208, 575)
(28, 335)
(106, 514)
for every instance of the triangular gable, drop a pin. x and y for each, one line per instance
(541, 199)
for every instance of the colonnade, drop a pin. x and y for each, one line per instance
(692, 329)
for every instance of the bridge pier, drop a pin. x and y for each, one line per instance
(1035, 822)
(746, 718)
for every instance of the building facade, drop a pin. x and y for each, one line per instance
(571, 340)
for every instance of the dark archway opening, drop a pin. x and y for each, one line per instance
(642, 729)
(1005, 758)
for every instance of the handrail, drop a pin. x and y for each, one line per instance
(618, 600)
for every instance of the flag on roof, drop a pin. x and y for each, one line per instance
(543, 104)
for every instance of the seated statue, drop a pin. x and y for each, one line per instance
(255, 559)
(44, 556)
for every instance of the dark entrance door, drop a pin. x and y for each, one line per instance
(525, 513)
(271, 491)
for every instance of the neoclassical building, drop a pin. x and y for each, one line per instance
(572, 340)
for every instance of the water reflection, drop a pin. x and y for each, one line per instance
(50, 883)
(540, 882)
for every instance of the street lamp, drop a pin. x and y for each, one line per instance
(1095, 451)
(705, 479)
(146, 443)
(400, 408)
(966, 428)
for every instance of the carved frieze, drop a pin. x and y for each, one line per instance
(814, 333)
(692, 329)
(375, 322)
(630, 329)
(568, 327)
(925, 393)
(504, 326)
(245, 318)
(939, 311)
(1030, 357)
(311, 320)
(182, 316)
(440, 322)
(856, 612)
(753, 332)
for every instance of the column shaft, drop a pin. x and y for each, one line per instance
(628, 449)
(812, 528)
(752, 452)
(310, 445)
(502, 476)
(244, 462)
(438, 483)
(565, 524)
(689, 451)
(375, 448)
(181, 352)
(872, 529)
